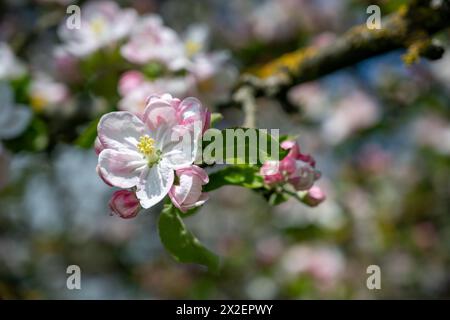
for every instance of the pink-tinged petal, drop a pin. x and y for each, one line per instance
(195, 170)
(98, 146)
(270, 171)
(154, 184)
(97, 169)
(294, 152)
(314, 196)
(188, 194)
(292, 146)
(288, 165)
(307, 158)
(303, 178)
(191, 110)
(288, 144)
(124, 204)
(121, 168)
(120, 130)
(160, 109)
(179, 193)
(129, 81)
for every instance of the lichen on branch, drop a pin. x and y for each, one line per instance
(411, 27)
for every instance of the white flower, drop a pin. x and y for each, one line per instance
(10, 66)
(102, 23)
(152, 41)
(13, 118)
(196, 39)
(143, 152)
(47, 94)
(354, 112)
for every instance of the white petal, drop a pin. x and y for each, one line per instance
(180, 147)
(121, 168)
(155, 184)
(120, 130)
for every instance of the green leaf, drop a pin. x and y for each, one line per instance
(153, 70)
(87, 137)
(181, 243)
(215, 118)
(240, 146)
(243, 176)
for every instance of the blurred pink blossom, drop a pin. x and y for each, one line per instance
(103, 23)
(48, 95)
(152, 41)
(354, 112)
(325, 264)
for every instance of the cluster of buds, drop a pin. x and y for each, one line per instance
(296, 170)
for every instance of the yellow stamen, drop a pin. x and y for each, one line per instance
(192, 47)
(146, 146)
(38, 102)
(98, 26)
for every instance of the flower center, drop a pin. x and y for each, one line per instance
(98, 26)
(38, 102)
(146, 146)
(192, 47)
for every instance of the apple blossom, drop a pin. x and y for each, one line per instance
(129, 81)
(103, 23)
(188, 193)
(323, 263)
(143, 152)
(296, 168)
(152, 41)
(47, 94)
(314, 196)
(13, 117)
(356, 111)
(124, 204)
(195, 39)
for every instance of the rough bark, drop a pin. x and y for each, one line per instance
(411, 28)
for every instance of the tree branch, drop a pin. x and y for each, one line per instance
(411, 27)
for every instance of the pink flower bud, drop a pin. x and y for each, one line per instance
(188, 194)
(294, 152)
(124, 204)
(129, 81)
(296, 169)
(314, 196)
(270, 171)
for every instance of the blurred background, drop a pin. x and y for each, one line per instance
(380, 132)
